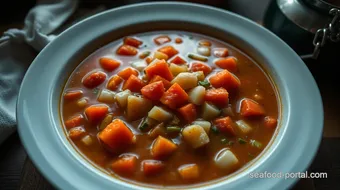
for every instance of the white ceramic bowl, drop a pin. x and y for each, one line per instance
(291, 150)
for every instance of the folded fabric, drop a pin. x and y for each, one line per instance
(18, 48)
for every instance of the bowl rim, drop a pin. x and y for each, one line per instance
(289, 79)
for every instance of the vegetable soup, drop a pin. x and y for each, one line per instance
(169, 108)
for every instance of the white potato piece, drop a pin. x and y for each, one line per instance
(209, 111)
(204, 50)
(195, 135)
(204, 124)
(137, 107)
(139, 65)
(121, 98)
(160, 55)
(196, 95)
(225, 159)
(185, 80)
(177, 69)
(87, 140)
(82, 102)
(159, 114)
(200, 75)
(243, 126)
(106, 96)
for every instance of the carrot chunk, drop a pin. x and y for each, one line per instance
(127, 72)
(198, 66)
(217, 96)
(73, 95)
(74, 121)
(132, 42)
(153, 91)
(251, 108)
(188, 112)
(148, 60)
(162, 148)
(270, 122)
(117, 136)
(109, 64)
(134, 84)
(225, 79)
(178, 40)
(114, 82)
(156, 78)
(127, 50)
(96, 113)
(159, 68)
(162, 40)
(189, 171)
(169, 50)
(76, 133)
(221, 52)
(229, 63)
(225, 125)
(178, 60)
(175, 96)
(94, 79)
(125, 165)
(152, 167)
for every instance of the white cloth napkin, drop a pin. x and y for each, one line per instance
(18, 49)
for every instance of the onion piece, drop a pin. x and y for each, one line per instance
(106, 96)
(87, 140)
(225, 159)
(243, 126)
(204, 50)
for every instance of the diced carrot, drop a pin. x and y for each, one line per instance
(178, 40)
(251, 108)
(127, 72)
(159, 68)
(127, 50)
(94, 79)
(153, 91)
(117, 136)
(73, 95)
(162, 148)
(188, 112)
(134, 84)
(162, 40)
(156, 78)
(225, 125)
(221, 52)
(74, 121)
(76, 133)
(198, 66)
(152, 167)
(114, 82)
(125, 165)
(132, 42)
(148, 60)
(175, 96)
(96, 113)
(109, 64)
(178, 60)
(225, 79)
(270, 122)
(228, 63)
(204, 43)
(217, 96)
(169, 50)
(189, 171)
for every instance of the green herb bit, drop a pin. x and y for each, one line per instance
(175, 121)
(250, 155)
(191, 37)
(242, 141)
(172, 129)
(224, 141)
(197, 57)
(255, 143)
(95, 90)
(215, 130)
(144, 125)
(204, 83)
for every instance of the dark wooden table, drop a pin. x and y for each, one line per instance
(17, 170)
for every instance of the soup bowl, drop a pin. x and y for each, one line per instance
(291, 149)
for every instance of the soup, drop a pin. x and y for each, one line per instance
(169, 108)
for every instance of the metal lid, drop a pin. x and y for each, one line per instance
(323, 5)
